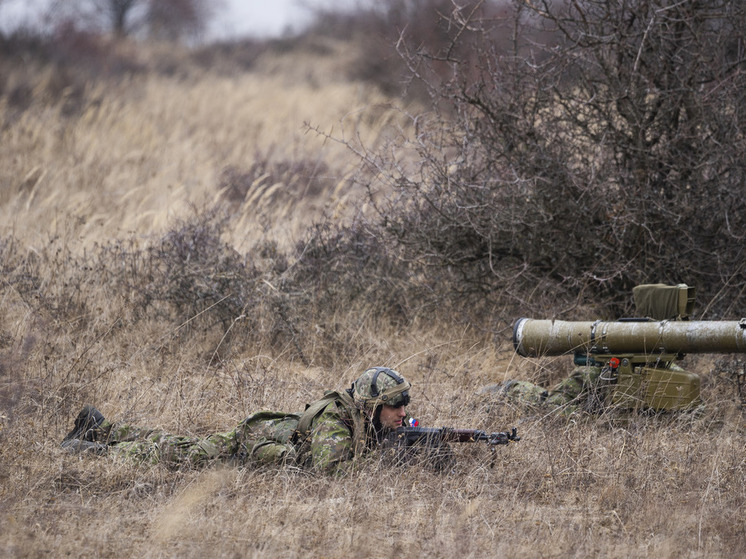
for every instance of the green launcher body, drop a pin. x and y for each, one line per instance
(635, 358)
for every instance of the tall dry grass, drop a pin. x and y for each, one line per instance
(145, 149)
(86, 197)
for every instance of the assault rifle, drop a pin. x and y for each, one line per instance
(433, 437)
(430, 445)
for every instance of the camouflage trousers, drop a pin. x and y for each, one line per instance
(582, 389)
(262, 438)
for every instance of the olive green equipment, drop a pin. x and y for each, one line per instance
(636, 357)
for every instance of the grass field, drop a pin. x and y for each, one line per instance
(87, 191)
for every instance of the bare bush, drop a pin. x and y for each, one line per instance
(352, 268)
(162, 19)
(425, 28)
(601, 150)
(190, 279)
(195, 273)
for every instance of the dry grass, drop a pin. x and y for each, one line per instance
(147, 152)
(144, 151)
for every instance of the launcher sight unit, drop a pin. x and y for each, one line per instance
(635, 356)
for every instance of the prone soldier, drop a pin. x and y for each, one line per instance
(328, 436)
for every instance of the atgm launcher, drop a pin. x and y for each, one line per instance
(636, 356)
(534, 338)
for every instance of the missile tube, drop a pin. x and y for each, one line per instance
(535, 338)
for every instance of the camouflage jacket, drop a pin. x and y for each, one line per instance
(327, 437)
(331, 433)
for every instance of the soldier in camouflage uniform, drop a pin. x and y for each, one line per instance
(328, 436)
(587, 388)
(583, 389)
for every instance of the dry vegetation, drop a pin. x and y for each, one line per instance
(148, 233)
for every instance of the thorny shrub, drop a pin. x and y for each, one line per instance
(194, 273)
(193, 280)
(189, 277)
(424, 26)
(601, 149)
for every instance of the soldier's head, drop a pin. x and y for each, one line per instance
(383, 395)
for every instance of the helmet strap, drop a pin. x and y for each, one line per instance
(376, 421)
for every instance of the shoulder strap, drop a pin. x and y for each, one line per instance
(313, 410)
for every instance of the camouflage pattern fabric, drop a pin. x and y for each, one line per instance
(582, 384)
(331, 441)
(153, 446)
(584, 390)
(524, 392)
(262, 438)
(580, 389)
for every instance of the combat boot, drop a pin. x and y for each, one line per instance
(88, 421)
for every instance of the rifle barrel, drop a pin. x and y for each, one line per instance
(429, 435)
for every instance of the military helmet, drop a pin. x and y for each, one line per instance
(381, 385)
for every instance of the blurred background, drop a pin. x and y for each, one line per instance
(223, 19)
